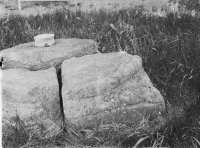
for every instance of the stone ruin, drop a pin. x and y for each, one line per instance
(72, 82)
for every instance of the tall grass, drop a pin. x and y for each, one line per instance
(169, 47)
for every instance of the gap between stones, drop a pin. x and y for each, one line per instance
(59, 77)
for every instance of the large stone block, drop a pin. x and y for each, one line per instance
(28, 56)
(107, 87)
(33, 96)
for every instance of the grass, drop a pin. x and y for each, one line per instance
(170, 49)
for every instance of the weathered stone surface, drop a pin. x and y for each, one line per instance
(33, 96)
(28, 56)
(107, 87)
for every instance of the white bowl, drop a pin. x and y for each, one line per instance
(44, 40)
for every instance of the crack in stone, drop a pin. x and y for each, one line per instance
(59, 77)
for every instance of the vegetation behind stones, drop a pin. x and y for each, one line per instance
(169, 47)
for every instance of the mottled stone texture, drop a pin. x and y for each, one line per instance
(33, 96)
(91, 89)
(107, 87)
(28, 56)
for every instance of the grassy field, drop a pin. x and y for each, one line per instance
(169, 47)
(41, 7)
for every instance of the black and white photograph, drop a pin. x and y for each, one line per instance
(100, 73)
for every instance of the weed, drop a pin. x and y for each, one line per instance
(169, 46)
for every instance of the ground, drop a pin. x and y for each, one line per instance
(11, 6)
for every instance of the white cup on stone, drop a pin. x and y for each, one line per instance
(44, 40)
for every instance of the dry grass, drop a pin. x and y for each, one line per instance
(169, 47)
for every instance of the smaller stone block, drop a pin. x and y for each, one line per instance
(33, 96)
(44, 40)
